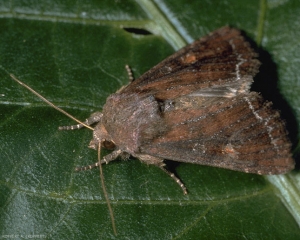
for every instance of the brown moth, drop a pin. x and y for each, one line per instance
(195, 107)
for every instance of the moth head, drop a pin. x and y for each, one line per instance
(100, 135)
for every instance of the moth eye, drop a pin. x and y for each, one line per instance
(108, 145)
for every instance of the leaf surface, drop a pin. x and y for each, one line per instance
(74, 54)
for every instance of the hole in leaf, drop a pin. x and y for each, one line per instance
(138, 31)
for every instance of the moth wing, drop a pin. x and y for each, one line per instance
(220, 64)
(242, 134)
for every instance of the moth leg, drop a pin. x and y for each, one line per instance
(106, 159)
(129, 72)
(159, 162)
(176, 179)
(94, 118)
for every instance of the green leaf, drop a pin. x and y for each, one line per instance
(74, 53)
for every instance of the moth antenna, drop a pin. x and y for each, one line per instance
(111, 213)
(48, 102)
(129, 72)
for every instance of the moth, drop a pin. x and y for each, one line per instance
(195, 107)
